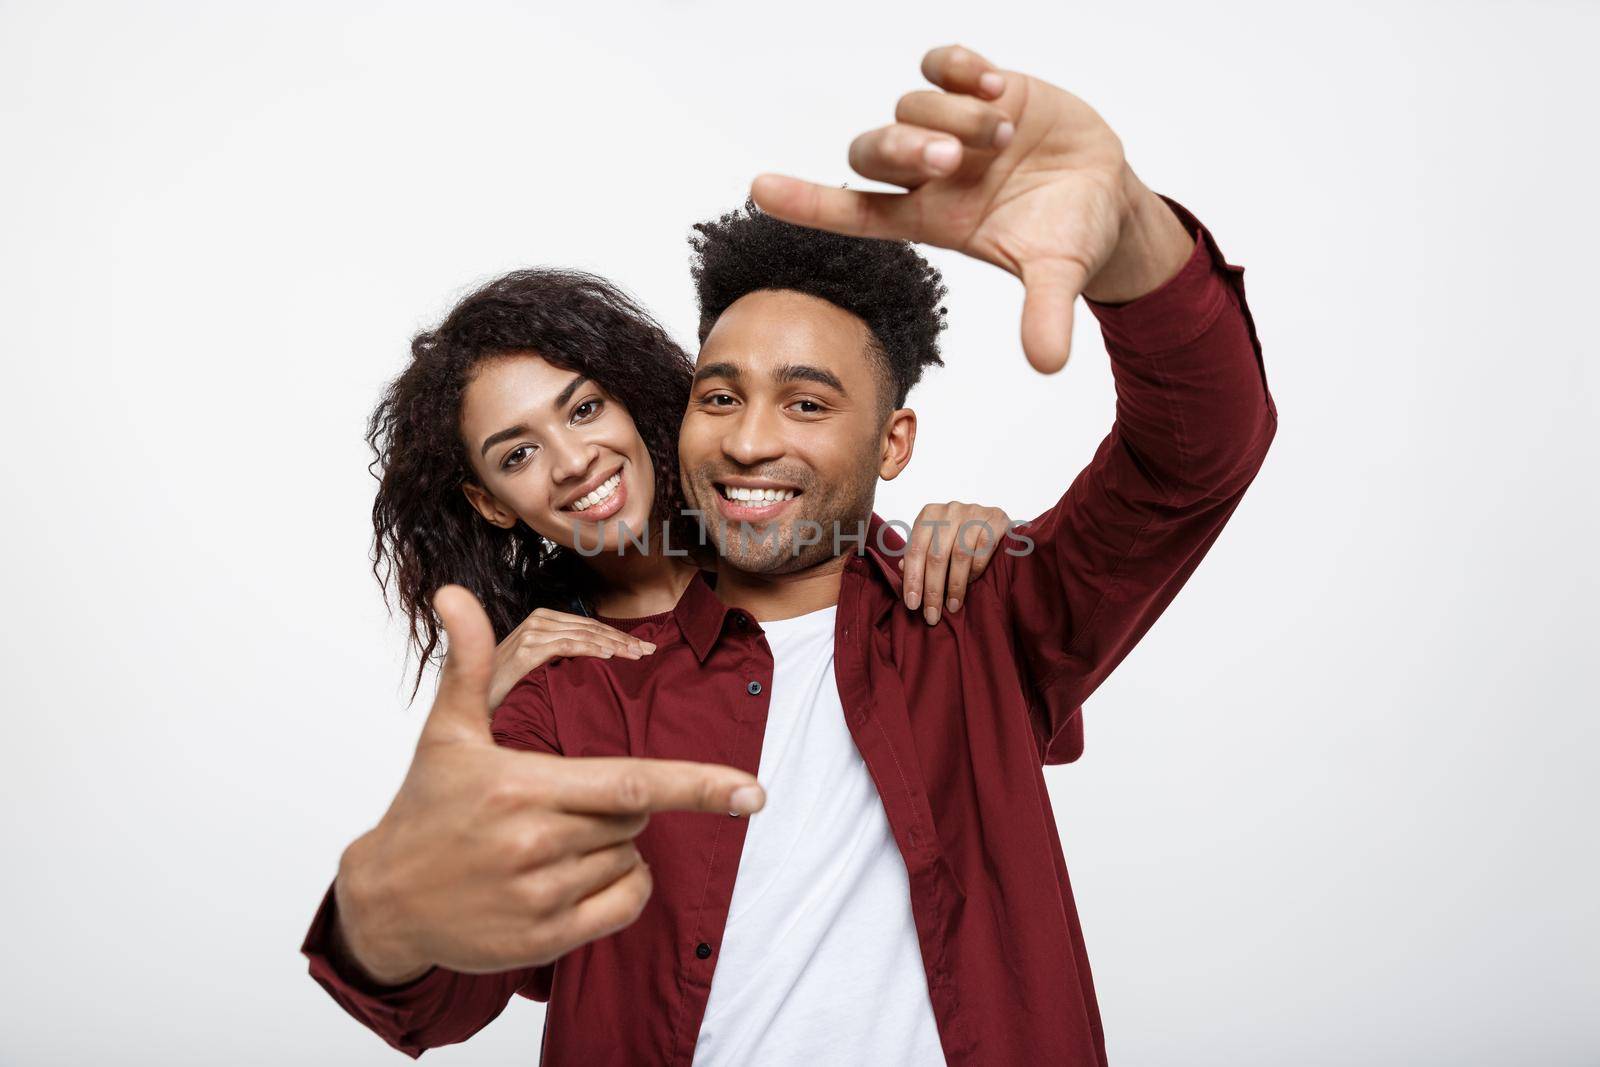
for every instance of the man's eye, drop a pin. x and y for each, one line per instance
(719, 400)
(808, 407)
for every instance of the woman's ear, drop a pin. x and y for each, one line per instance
(487, 506)
(899, 436)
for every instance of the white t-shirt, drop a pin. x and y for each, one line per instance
(819, 963)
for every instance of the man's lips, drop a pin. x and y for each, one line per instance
(749, 510)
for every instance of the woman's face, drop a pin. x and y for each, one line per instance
(554, 449)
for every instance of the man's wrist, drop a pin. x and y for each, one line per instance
(1151, 248)
(353, 944)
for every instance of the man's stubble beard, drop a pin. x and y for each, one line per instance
(841, 514)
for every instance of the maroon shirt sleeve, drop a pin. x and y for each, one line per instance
(1193, 423)
(441, 1007)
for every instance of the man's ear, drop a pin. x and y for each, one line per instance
(487, 506)
(899, 436)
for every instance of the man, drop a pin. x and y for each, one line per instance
(902, 897)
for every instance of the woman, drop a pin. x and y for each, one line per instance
(529, 452)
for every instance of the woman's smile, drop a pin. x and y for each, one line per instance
(599, 502)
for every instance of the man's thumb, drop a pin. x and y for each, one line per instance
(463, 698)
(1053, 286)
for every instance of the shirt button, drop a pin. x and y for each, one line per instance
(702, 950)
(754, 689)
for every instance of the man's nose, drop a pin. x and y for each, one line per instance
(756, 437)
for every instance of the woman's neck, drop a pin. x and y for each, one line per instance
(633, 584)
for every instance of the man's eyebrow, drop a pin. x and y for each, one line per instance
(566, 394)
(717, 370)
(802, 372)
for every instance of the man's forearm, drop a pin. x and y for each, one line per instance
(1192, 398)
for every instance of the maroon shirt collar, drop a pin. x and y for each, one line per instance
(700, 615)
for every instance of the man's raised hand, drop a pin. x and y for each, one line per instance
(1012, 170)
(491, 859)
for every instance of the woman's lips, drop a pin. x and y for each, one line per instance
(607, 507)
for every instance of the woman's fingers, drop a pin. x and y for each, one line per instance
(549, 620)
(568, 646)
(936, 566)
(951, 545)
(995, 524)
(967, 539)
(638, 643)
(974, 536)
(536, 632)
(913, 565)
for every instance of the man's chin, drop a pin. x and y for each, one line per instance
(753, 557)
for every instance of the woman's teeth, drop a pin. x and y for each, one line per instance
(600, 495)
(735, 492)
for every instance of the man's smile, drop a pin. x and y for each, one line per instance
(750, 499)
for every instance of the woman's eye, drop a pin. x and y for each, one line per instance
(716, 400)
(586, 410)
(516, 456)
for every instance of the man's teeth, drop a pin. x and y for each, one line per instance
(600, 495)
(736, 492)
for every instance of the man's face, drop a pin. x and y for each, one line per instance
(784, 431)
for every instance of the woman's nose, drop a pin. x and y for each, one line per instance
(570, 459)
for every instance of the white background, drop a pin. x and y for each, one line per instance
(1337, 807)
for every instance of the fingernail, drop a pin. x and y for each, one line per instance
(992, 83)
(606, 653)
(913, 598)
(1003, 134)
(942, 155)
(932, 614)
(747, 798)
(952, 603)
(649, 646)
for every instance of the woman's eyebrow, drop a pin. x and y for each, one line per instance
(504, 435)
(566, 394)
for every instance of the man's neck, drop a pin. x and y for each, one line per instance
(770, 597)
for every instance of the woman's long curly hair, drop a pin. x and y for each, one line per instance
(425, 531)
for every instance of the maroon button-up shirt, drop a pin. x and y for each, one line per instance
(954, 722)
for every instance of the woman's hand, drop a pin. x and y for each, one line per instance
(951, 544)
(546, 635)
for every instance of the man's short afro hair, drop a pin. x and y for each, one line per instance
(886, 284)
